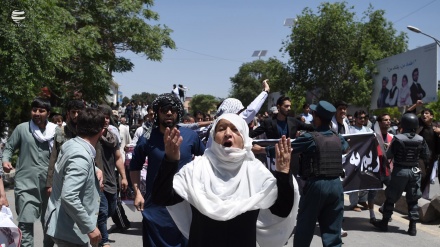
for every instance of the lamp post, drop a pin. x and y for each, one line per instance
(416, 30)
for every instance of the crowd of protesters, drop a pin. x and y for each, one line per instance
(73, 170)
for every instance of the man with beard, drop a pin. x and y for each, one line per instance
(63, 134)
(281, 124)
(34, 139)
(427, 131)
(361, 196)
(417, 92)
(159, 228)
(339, 121)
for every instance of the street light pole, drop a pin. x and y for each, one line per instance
(416, 30)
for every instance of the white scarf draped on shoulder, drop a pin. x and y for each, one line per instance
(227, 182)
(48, 133)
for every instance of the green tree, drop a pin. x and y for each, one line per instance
(394, 112)
(72, 47)
(125, 100)
(144, 97)
(31, 53)
(435, 107)
(247, 83)
(109, 28)
(203, 102)
(332, 53)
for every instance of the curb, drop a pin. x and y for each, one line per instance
(428, 210)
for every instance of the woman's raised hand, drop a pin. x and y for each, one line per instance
(283, 151)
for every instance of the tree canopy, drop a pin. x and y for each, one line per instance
(147, 98)
(73, 46)
(332, 53)
(247, 83)
(203, 102)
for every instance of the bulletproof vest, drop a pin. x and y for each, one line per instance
(326, 160)
(409, 150)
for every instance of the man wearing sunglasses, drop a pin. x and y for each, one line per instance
(360, 118)
(158, 228)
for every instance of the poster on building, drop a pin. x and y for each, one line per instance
(405, 78)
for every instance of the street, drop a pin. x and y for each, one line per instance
(360, 231)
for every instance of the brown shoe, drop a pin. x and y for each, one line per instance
(356, 208)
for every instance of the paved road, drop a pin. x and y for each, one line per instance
(360, 231)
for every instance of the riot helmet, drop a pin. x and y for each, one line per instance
(409, 122)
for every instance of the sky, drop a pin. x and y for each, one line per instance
(214, 38)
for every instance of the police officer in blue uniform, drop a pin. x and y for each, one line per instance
(406, 149)
(321, 168)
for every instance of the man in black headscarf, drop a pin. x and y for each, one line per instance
(159, 228)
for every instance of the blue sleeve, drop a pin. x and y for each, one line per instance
(299, 145)
(302, 143)
(344, 144)
(139, 154)
(199, 147)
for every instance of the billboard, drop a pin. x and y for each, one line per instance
(120, 97)
(405, 78)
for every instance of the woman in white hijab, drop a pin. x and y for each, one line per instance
(227, 197)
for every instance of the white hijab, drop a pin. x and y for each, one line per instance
(227, 182)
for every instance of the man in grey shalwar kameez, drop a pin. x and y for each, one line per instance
(34, 139)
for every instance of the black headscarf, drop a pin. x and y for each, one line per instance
(165, 100)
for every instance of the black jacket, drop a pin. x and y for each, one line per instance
(269, 126)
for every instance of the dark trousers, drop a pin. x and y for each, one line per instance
(322, 201)
(107, 207)
(403, 179)
(119, 217)
(427, 169)
(159, 229)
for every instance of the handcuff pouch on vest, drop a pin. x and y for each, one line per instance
(325, 161)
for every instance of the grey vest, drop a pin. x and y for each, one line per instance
(409, 150)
